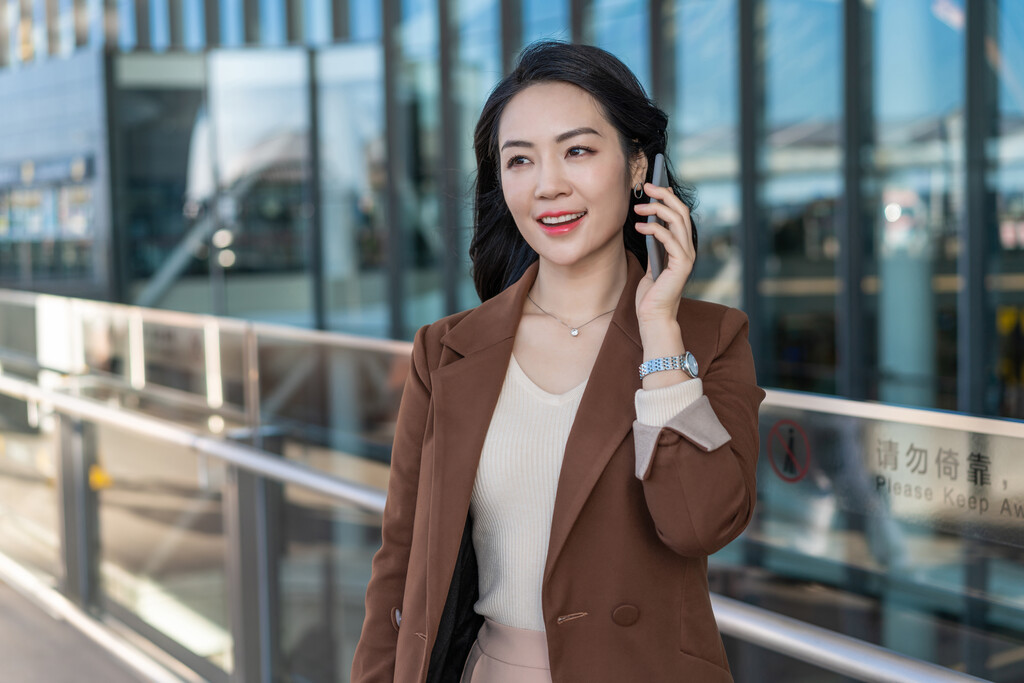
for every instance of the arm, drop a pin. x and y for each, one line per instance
(699, 469)
(375, 654)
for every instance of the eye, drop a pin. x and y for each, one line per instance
(578, 151)
(515, 161)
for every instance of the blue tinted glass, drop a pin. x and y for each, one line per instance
(126, 25)
(803, 58)
(40, 46)
(918, 44)
(621, 27)
(364, 20)
(231, 33)
(1011, 51)
(318, 22)
(706, 66)
(194, 24)
(67, 26)
(159, 31)
(272, 22)
(545, 19)
(95, 8)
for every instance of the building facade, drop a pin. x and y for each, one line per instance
(859, 166)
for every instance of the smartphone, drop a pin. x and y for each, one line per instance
(656, 253)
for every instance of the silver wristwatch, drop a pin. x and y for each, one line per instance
(686, 362)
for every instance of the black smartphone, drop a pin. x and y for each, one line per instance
(656, 254)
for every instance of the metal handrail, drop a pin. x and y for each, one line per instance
(805, 642)
(826, 649)
(923, 417)
(775, 397)
(246, 457)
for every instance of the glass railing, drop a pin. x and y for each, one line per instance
(224, 480)
(901, 527)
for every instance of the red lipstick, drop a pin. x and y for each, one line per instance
(560, 228)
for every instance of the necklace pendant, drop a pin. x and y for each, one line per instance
(574, 332)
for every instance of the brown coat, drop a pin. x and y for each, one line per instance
(625, 593)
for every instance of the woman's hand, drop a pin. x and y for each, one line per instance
(657, 302)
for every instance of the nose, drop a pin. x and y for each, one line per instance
(551, 181)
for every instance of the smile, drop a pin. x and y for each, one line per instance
(560, 223)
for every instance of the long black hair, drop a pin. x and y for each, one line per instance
(499, 253)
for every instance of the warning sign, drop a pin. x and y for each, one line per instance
(789, 451)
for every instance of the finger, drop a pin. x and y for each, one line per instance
(669, 198)
(673, 247)
(673, 220)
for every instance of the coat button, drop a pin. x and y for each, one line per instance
(396, 618)
(625, 615)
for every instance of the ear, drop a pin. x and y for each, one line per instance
(638, 169)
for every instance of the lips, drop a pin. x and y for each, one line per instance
(560, 222)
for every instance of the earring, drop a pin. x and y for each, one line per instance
(638, 190)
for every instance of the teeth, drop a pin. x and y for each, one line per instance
(558, 220)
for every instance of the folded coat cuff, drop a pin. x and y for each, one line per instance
(657, 406)
(697, 423)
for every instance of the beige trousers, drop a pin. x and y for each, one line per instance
(503, 654)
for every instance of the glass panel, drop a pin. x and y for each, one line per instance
(18, 335)
(352, 189)
(545, 20)
(259, 259)
(418, 104)
(365, 18)
(162, 543)
(802, 186)
(913, 191)
(29, 509)
(891, 530)
(330, 405)
(1006, 164)
(620, 27)
(703, 139)
(323, 577)
(477, 71)
(161, 143)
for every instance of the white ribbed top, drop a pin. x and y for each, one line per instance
(514, 492)
(514, 496)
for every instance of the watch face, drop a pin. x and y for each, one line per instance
(691, 364)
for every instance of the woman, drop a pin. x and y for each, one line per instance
(550, 512)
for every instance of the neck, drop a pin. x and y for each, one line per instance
(580, 292)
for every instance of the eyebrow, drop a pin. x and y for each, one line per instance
(584, 130)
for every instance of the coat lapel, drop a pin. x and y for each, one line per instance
(466, 389)
(605, 416)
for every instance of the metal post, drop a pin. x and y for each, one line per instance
(577, 22)
(852, 219)
(313, 208)
(978, 218)
(79, 527)
(394, 127)
(511, 33)
(340, 21)
(449, 172)
(661, 28)
(751, 108)
(211, 15)
(142, 32)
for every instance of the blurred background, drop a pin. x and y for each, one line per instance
(230, 215)
(860, 183)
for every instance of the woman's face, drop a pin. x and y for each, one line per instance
(564, 174)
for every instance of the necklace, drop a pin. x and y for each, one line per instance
(574, 331)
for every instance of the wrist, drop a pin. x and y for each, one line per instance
(661, 338)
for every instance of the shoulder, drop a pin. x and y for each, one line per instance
(711, 314)
(712, 327)
(430, 336)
